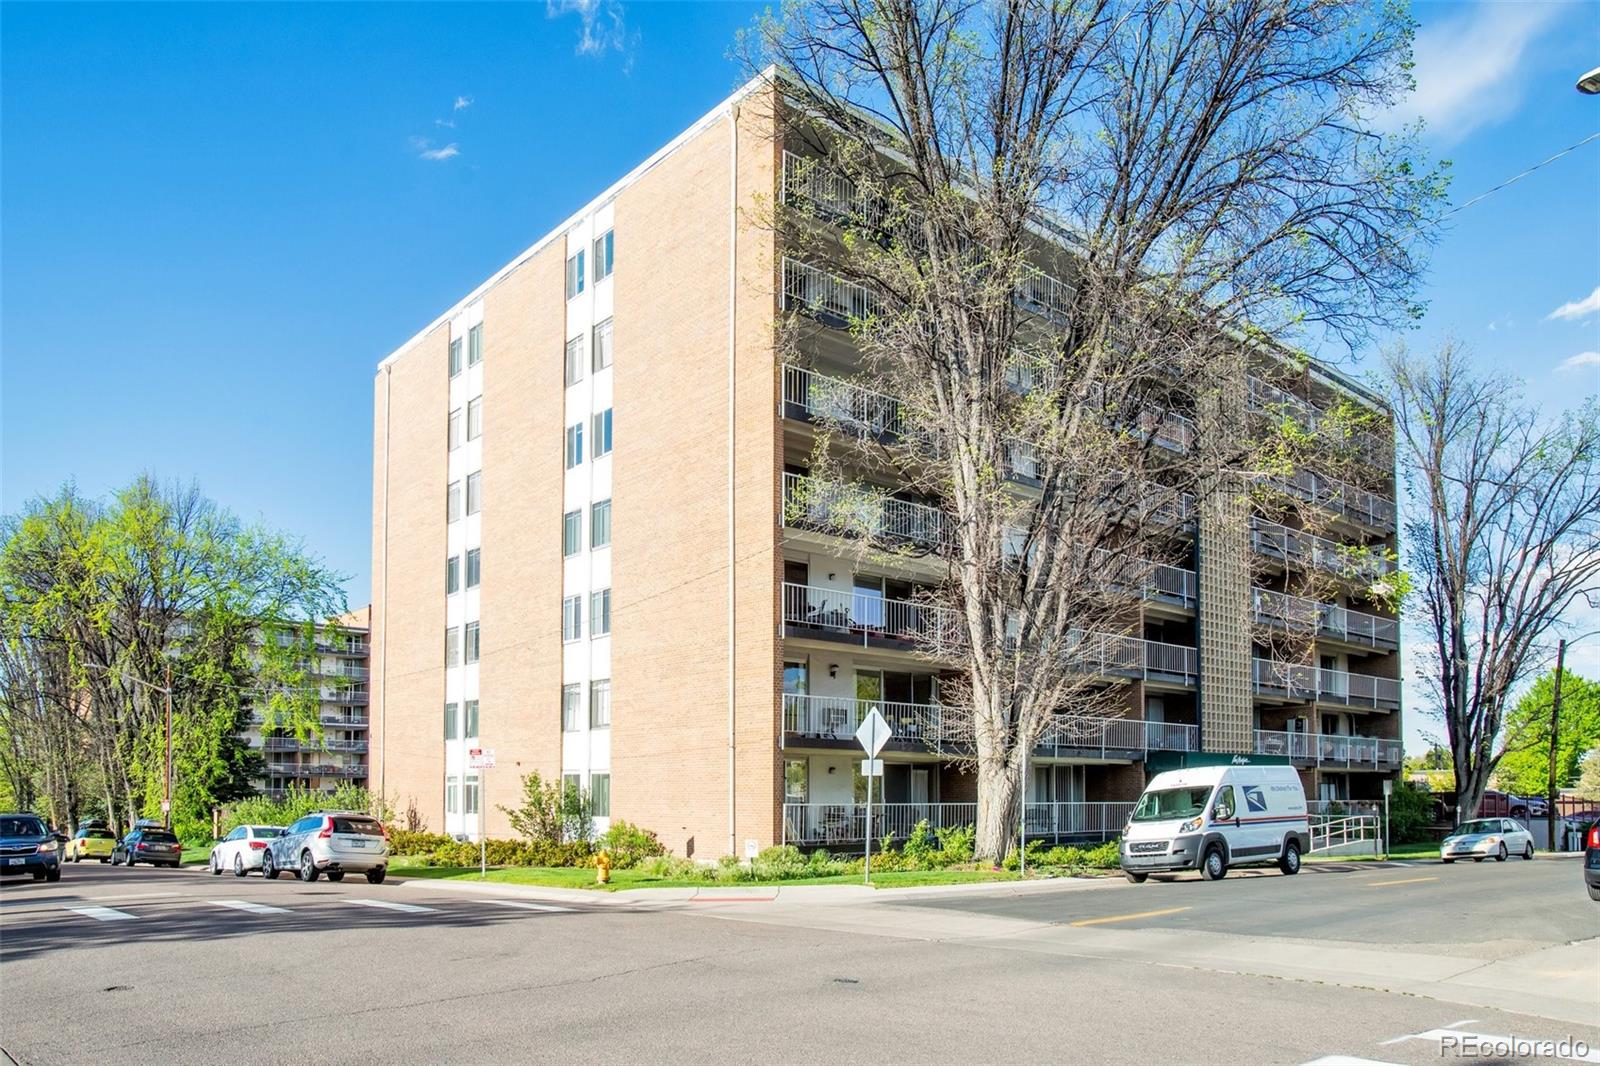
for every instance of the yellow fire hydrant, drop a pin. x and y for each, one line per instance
(602, 869)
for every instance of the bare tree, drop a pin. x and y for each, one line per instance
(1504, 535)
(1059, 232)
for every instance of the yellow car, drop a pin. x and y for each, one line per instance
(91, 843)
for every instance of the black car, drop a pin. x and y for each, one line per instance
(1591, 861)
(27, 846)
(148, 843)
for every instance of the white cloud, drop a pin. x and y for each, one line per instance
(462, 103)
(603, 26)
(1466, 67)
(1578, 308)
(426, 150)
(1581, 360)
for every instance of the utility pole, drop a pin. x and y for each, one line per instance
(1555, 725)
(166, 808)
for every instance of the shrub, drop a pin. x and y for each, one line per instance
(1105, 857)
(506, 853)
(628, 845)
(405, 842)
(299, 802)
(672, 868)
(956, 844)
(920, 845)
(779, 863)
(1410, 813)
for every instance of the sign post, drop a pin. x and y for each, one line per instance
(482, 760)
(1388, 787)
(872, 736)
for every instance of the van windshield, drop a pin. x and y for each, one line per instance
(1169, 803)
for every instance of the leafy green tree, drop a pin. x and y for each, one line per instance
(1525, 768)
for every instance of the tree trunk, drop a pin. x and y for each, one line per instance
(997, 810)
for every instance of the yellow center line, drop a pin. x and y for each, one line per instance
(1127, 917)
(1405, 881)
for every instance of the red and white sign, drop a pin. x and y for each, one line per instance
(480, 758)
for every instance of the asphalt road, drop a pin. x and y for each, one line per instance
(199, 971)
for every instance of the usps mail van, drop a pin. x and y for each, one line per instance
(1209, 818)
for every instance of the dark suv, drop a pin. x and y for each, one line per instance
(28, 847)
(148, 843)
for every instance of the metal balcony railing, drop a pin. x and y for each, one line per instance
(846, 823)
(1269, 400)
(1331, 749)
(865, 615)
(1115, 655)
(1299, 614)
(829, 298)
(1099, 821)
(292, 744)
(1081, 733)
(849, 510)
(835, 399)
(1307, 550)
(1302, 681)
(1360, 506)
(838, 717)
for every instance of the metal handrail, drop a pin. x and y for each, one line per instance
(838, 717)
(1302, 681)
(864, 615)
(1104, 733)
(1367, 508)
(1331, 749)
(829, 506)
(1306, 549)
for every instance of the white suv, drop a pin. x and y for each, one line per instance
(330, 842)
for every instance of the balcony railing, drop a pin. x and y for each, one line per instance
(865, 615)
(1269, 400)
(836, 399)
(838, 717)
(1099, 821)
(829, 298)
(849, 510)
(1331, 749)
(1080, 733)
(1301, 681)
(292, 744)
(1307, 550)
(1360, 506)
(1115, 655)
(837, 824)
(1299, 614)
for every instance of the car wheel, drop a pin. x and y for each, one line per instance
(103, 861)
(1477, 858)
(375, 877)
(1137, 879)
(127, 860)
(216, 865)
(38, 875)
(1527, 856)
(336, 876)
(1502, 854)
(268, 870)
(238, 866)
(1594, 891)
(1447, 862)
(54, 874)
(308, 867)
(1214, 867)
(1290, 863)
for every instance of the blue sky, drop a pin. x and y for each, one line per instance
(218, 218)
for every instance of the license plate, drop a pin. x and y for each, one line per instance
(14, 862)
(355, 843)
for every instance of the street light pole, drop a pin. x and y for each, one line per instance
(166, 809)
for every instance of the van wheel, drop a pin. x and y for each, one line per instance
(1213, 867)
(1290, 863)
(1137, 879)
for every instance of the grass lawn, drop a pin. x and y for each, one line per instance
(196, 853)
(583, 877)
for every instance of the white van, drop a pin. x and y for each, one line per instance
(1212, 817)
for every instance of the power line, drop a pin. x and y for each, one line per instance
(1513, 180)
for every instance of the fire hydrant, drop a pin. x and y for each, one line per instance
(602, 869)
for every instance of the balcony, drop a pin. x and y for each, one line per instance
(1330, 749)
(1090, 821)
(1116, 737)
(1114, 655)
(863, 617)
(1301, 682)
(1356, 505)
(1273, 402)
(829, 299)
(855, 511)
(292, 744)
(836, 718)
(844, 824)
(809, 396)
(1299, 614)
(1306, 550)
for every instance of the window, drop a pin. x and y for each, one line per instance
(450, 721)
(575, 275)
(575, 360)
(475, 345)
(472, 642)
(571, 784)
(455, 356)
(1222, 807)
(602, 433)
(602, 346)
(600, 524)
(474, 492)
(572, 618)
(600, 613)
(452, 646)
(600, 795)
(452, 575)
(471, 794)
(796, 780)
(474, 568)
(571, 533)
(599, 704)
(452, 794)
(569, 709)
(452, 502)
(454, 436)
(603, 248)
(470, 707)
(475, 418)
(574, 444)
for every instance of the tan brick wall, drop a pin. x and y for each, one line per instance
(669, 501)
(519, 672)
(407, 685)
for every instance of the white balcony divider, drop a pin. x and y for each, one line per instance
(838, 400)
(1305, 549)
(1302, 681)
(1171, 736)
(864, 615)
(850, 510)
(1101, 821)
(1045, 296)
(1359, 627)
(1116, 655)
(838, 717)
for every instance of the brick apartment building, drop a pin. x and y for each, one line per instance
(587, 555)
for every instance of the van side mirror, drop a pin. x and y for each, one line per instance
(1222, 813)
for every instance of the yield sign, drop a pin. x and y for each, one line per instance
(873, 734)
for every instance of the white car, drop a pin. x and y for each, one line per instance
(241, 850)
(1497, 838)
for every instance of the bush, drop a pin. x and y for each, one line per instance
(628, 845)
(784, 862)
(920, 846)
(299, 802)
(551, 812)
(672, 868)
(405, 842)
(1410, 813)
(956, 844)
(507, 853)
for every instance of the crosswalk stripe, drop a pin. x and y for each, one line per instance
(248, 907)
(528, 906)
(103, 914)
(409, 908)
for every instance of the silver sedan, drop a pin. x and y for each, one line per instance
(1496, 838)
